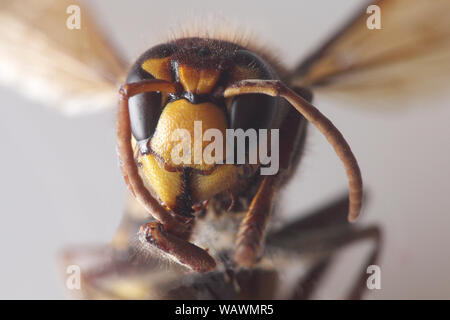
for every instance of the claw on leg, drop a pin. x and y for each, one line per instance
(182, 251)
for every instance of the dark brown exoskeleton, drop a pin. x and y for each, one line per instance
(221, 85)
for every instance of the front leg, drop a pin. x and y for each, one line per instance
(250, 237)
(174, 248)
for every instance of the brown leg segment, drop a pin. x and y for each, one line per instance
(311, 281)
(181, 250)
(324, 232)
(360, 285)
(329, 244)
(251, 233)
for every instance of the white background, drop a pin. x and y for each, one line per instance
(60, 182)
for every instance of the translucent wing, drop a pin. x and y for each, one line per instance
(409, 55)
(74, 70)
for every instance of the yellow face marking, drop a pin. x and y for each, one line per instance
(166, 184)
(204, 187)
(195, 81)
(188, 78)
(181, 114)
(159, 68)
(207, 81)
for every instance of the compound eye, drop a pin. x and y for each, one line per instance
(145, 108)
(253, 110)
